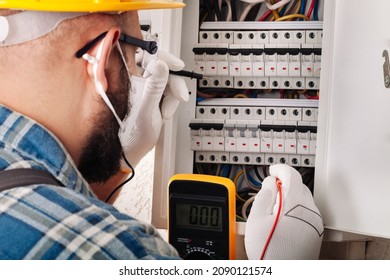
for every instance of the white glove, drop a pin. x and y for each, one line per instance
(154, 99)
(299, 231)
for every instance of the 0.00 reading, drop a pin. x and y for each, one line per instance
(204, 216)
(199, 216)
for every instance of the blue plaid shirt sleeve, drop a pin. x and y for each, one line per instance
(51, 222)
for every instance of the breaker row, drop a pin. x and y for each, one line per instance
(261, 83)
(275, 137)
(210, 114)
(261, 36)
(254, 158)
(276, 60)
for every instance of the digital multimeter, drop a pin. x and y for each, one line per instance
(201, 216)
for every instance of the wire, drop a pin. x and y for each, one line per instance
(315, 15)
(245, 207)
(234, 10)
(225, 171)
(235, 183)
(292, 7)
(303, 7)
(292, 16)
(257, 184)
(251, 16)
(282, 11)
(240, 95)
(298, 7)
(125, 181)
(210, 13)
(218, 170)
(253, 1)
(229, 15)
(277, 5)
(245, 12)
(240, 219)
(265, 171)
(311, 8)
(257, 173)
(251, 183)
(265, 16)
(279, 186)
(218, 13)
(274, 12)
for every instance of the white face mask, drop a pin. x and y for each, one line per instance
(137, 84)
(95, 62)
(136, 89)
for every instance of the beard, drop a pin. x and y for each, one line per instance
(100, 157)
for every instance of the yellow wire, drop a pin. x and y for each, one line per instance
(235, 183)
(274, 12)
(288, 17)
(240, 218)
(298, 7)
(240, 95)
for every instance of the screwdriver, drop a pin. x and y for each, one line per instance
(188, 74)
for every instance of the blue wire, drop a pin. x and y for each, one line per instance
(225, 171)
(303, 8)
(283, 10)
(315, 12)
(228, 170)
(253, 181)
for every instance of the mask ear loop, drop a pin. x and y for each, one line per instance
(118, 46)
(95, 62)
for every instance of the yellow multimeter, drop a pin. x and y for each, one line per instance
(202, 216)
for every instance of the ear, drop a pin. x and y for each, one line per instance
(106, 45)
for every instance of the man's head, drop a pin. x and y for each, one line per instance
(43, 79)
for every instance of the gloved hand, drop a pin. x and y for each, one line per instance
(154, 99)
(299, 231)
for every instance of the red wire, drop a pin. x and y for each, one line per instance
(265, 16)
(311, 8)
(279, 185)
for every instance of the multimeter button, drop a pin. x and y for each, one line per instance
(197, 256)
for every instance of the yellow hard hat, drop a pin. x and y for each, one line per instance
(88, 5)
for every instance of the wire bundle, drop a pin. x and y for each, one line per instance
(258, 10)
(248, 180)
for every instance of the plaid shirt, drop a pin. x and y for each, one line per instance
(51, 222)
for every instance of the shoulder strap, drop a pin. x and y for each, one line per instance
(19, 177)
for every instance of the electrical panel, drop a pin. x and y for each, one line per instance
(257, 102)
(271, 64)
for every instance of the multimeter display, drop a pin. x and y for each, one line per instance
(199, 216)
(202, 216)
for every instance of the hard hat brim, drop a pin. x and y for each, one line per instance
(93, 6)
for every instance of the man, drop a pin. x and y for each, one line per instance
(64, 97)
(65, 109)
